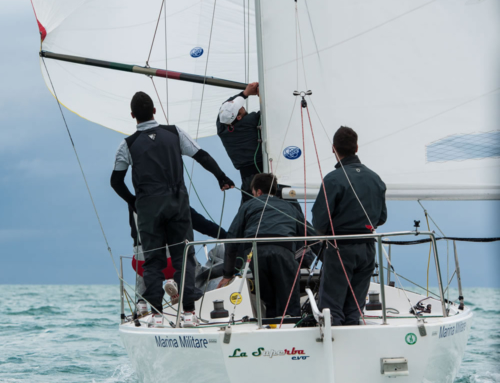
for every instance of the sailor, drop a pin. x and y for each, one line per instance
(277, 265)
(161, 199)
(238, 131)
(200, 224)
(349, 181)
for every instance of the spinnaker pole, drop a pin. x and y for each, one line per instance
(214, 81)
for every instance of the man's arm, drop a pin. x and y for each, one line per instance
(383, 215)
(204, 226)
(206, 160)
(122, 162)
(190, 148)
(118, 184)
(236, 230)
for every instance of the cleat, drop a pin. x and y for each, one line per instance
(190, 320)
(171, 289)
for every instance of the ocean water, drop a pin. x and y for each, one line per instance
(70, 334)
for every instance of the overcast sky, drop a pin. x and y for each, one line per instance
(49, 233)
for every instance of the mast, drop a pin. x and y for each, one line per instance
(155, 72)
(260, 61)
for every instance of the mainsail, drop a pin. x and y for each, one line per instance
(122, 31)
(418, 81)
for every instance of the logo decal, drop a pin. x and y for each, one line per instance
(411, 338)
(152, 136)
(261, 351)
(196, 52)
(292, 152)
(235, 298)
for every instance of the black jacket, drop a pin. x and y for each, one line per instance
(241, 139)
(347, 214)
(273, 224)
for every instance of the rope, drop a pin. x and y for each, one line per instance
(166, 55)
(159, 100)
(203, 88)
(427, 240)
(430, 251)
(154, 35)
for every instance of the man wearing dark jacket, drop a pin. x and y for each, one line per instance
(238, 131)
(161, 199)
(348, 217)
(277, 266)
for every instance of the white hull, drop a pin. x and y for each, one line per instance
(162, 354)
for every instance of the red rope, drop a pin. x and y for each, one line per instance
(329, 214)
(305, 219)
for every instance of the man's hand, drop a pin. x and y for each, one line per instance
(252, 89)
(226, 183)
(224, 282)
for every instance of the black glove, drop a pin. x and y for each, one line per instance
(223, 181)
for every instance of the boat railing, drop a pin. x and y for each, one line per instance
(254, 241)
(318, 315)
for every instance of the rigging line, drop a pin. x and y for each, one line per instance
(85, 179)
(434, 116)
(81, 167)
(361, 33)
(264, 208)
(203, 88)
(305, 214)
(154, 35)
(166, 55)
(329, 212)
(430, 251)
(245, 43)
(286, 133)
(157, 95)
(301, 51)
(312, 29)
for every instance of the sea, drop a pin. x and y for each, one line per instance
(66, 333)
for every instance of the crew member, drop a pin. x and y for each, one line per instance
(239, 134)
(277, 265)
(161, 199)
(349, 181)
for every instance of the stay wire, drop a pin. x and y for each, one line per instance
(203, 88)
(81, 167)
(154, 35)
(166, 55)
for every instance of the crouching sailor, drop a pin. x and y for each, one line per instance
(161, 199)
(277, 265)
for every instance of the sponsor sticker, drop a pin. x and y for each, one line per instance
(235, 298)
(411, 338)
(295, 354)
(292, 152)
(196, 52)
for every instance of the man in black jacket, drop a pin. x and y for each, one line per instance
(238, 131)
(277, 265)
(350, 178)
(161, 199)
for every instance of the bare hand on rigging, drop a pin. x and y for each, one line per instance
(252, 89)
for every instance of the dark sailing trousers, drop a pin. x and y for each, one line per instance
(277, 270)
(334, 292)
(166, 220)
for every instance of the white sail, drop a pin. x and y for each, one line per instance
(122, 31)
(417, 80)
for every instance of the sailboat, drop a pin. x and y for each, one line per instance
(416, 79)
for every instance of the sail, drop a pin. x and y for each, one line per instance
(122, 31)
(417, 80)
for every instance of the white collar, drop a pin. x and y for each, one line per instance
(147, 125)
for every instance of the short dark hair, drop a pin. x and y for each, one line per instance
(142, 107)
(345, 141)
(266, 182)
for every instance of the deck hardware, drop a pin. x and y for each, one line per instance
(393, 367)
(421, 328)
